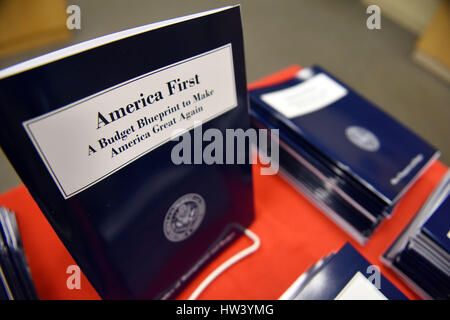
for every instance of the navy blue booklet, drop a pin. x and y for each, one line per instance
(106, 136)
(349, 157)
(345, 275)
(349, 131)
(421, 254)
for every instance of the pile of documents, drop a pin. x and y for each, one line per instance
(351, 159)
(15, 278)
(421, 254)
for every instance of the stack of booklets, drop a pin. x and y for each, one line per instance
(421, 254)
(345, 275)
(346, 155)
(15, 278)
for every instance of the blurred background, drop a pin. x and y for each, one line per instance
(404, 67)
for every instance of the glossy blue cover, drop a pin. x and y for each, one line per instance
(114, 229)
(437, 227)
(329, 281)
(350, 187)
(324, 129)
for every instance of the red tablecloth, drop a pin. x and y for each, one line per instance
(294, 235)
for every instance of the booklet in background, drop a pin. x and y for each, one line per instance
(348, 156)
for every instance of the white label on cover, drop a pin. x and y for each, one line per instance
(88, 140)
(308, 96)
(360, 288)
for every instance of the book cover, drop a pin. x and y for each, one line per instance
(345, 275)
(437, 227)
(91, 130)
(420, 253)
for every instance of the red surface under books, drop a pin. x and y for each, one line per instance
(294, 235)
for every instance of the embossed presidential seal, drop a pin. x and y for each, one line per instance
(184, 217)
(362, 138)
